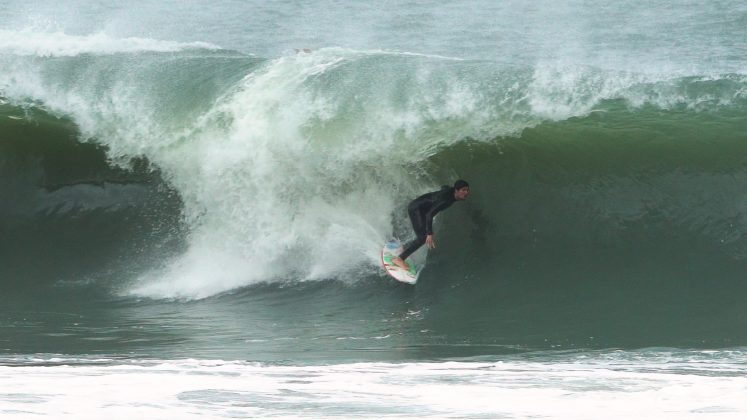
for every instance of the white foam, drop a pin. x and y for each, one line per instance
(59, 44)
(559, 90)
(617, 386)
(265, 199)
(271, 200)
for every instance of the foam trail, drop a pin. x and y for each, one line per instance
(59, 44)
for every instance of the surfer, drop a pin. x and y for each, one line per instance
(422, 210)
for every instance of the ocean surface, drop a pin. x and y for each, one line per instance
(193, 198)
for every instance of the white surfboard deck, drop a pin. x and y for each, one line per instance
(392, 249)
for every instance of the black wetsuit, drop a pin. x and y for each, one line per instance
(421, 211)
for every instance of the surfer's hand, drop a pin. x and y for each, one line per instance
(430, 242)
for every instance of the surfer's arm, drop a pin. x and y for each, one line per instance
(431, 214)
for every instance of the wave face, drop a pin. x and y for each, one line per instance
(609, 171)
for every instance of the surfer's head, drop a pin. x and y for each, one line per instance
(461, 189)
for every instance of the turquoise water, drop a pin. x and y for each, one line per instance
(185, 191)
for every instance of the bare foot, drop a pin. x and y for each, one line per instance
(400, 263)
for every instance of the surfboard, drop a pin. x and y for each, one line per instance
(392, 249)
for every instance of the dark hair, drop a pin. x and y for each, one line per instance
(460, 183)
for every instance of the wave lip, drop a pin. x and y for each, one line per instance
(59, 44)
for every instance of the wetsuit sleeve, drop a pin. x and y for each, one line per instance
(432, 213)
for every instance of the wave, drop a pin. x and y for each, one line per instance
(299, 167)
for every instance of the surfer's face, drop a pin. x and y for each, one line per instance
(462, 193)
